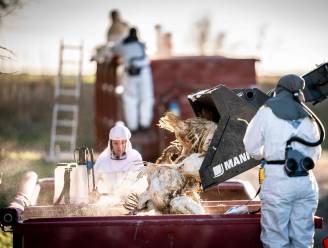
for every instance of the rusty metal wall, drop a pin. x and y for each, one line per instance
(107, 103)
(175, 78)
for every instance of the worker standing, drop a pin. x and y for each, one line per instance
(118, 29)
(289, 193)
(138, 96)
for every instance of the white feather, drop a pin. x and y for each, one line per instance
(191, 165)
(185, 205)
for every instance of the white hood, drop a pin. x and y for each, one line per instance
(106, 164)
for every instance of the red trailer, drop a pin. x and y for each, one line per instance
(46, 225)
(213, 230)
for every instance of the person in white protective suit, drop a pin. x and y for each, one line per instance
(288, 202)
(118, 29)
(118, 165)
(138, 96)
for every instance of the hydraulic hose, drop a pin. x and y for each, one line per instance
(321, 129)
(270, 93)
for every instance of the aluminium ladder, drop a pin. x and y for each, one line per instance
(66, 107)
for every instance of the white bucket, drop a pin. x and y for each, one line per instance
(78, 183)
(59, 181)
(79, 192)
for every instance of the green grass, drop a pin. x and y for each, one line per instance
(29, 78)
(13, 165)
(6, 239)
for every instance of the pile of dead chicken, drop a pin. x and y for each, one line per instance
(173, 181)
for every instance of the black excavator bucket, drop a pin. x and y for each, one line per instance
(231, 110)
(316, 84)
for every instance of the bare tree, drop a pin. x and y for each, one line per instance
(6, 56)
(219, 42)
(8, 6)
(202, 31)
(261, 36)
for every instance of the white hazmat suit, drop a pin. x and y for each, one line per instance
(119, 176)
(138, 96)
(288, 203)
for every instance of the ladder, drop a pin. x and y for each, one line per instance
(66, 106)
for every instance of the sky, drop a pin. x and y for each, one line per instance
(288, 36)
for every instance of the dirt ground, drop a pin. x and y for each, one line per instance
(321, 174)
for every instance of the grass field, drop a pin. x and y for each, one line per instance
(13, 164)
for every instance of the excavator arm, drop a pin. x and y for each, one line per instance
(232, 110)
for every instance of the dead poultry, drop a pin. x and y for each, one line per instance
(173, 181)
(193, 135)
(171, 188)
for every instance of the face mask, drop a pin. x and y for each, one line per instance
(116, 157)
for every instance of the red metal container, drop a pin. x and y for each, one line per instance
(213, 230)
(141, 231)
